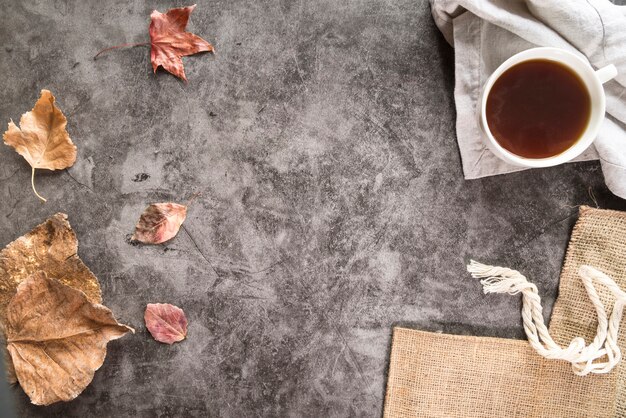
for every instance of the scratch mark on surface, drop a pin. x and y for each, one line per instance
(544, 228)
(11, 175)
(195, 244)
(295, 59)
(271, 266)
(78, 182)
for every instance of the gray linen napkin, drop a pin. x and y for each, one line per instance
(485, 33)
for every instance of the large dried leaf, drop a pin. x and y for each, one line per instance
(169, 41)
(41, 138)
(159, 222)
(51, 247)
(57, 338)
(167, 323)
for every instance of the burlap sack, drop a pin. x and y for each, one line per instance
(599, 240)
(438, 375)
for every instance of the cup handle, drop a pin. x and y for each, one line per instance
(607, 73)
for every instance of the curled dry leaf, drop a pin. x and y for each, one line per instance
(159, 222)
(51, 247)
(41, 138)
(167, 323)
(169, 41)
(57, 338)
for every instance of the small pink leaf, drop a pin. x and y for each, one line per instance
(167, 323)
(160, 222)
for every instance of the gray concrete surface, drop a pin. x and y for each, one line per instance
(332, 207)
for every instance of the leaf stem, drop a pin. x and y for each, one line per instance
(193, 197)
(120, 46)
(32, 182)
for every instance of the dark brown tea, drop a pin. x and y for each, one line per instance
(538, 109)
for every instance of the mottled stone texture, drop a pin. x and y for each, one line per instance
(332, 204)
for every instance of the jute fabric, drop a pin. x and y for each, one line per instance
(439, 375)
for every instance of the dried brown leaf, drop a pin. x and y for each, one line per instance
(42, 138)
(57, 338)
(159, 222)
(51, 247)
(169, 41)
(167, 323)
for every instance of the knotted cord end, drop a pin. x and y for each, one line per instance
(498, 279)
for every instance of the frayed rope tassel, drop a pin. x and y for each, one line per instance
(601, 356)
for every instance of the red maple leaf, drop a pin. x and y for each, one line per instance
(169, 41)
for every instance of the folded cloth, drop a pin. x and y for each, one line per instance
(437, 375)
(485, 33)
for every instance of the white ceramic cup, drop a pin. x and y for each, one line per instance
(593, 81)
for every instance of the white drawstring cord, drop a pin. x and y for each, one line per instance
(583, 358)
